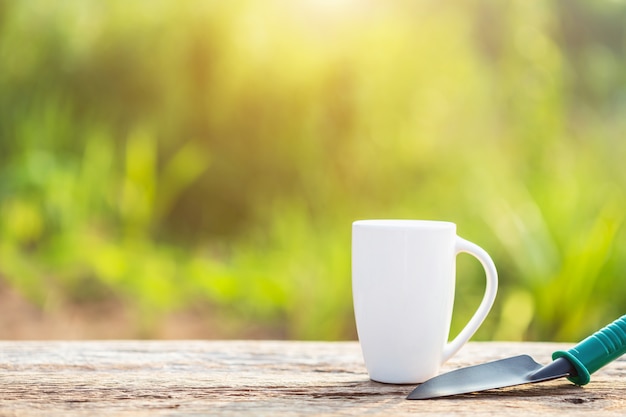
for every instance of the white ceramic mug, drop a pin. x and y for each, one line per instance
(403, 279)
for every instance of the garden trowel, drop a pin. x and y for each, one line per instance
(577, 364)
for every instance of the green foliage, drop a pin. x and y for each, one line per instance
(215, 154)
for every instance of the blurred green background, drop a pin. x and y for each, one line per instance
(202, 161)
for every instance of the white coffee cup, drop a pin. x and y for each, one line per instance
(403, 279)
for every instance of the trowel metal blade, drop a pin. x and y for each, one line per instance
(498, 374)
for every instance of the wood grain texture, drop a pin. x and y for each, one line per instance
(273, 378)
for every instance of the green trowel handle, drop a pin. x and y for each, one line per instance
(597, 350)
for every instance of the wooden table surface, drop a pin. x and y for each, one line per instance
(273, 378)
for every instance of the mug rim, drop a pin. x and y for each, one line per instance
(404, 223)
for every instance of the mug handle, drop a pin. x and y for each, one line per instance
(479, 316)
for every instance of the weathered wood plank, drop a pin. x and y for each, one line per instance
(233, 378)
